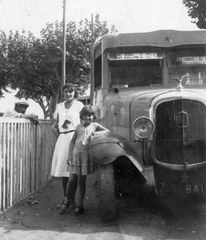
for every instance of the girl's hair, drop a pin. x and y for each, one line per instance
(87, 110)
(71, 86)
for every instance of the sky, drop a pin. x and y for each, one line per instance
(126, 15)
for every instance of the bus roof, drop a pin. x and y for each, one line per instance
(160, 38)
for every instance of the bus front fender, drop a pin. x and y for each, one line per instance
(105, 148)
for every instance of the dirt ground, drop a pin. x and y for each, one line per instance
(38, 218)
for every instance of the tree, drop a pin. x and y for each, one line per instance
(34, 64)
(197, 11)
(3, 55)
(28, 70)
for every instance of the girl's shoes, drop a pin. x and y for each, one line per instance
(79, 210)
(64, 206)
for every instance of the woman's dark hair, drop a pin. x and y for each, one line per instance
(87, 110)
(71, 86)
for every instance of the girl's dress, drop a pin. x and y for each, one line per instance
(82, 163)
(61, 152)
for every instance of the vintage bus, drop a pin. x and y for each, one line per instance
(149, 89)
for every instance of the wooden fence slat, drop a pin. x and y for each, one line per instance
(4, 168)
(12, 165)
(1, 163)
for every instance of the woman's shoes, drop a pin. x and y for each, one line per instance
(64, 206)
(58, 206)
(79, 210)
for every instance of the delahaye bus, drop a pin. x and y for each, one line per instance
(149, 89)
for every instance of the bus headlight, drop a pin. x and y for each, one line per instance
(143, 127)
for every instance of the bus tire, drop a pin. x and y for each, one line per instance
(106, 192)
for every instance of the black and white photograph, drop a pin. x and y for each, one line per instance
(103, 120)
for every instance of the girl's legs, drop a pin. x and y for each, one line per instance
(82, 189)
(71, 188)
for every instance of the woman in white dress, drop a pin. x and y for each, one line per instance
(66, 119)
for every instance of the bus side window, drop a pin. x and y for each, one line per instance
(98, 71)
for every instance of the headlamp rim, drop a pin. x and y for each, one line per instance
(140, 118)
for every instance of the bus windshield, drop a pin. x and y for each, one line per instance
(188, 65)
(135, 69)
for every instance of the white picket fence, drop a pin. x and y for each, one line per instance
(25, 158)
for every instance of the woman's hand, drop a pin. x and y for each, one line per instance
(55, 129)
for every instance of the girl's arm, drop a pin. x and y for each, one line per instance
(101, 129)
(71, 147)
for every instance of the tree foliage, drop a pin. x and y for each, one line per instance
(197, 11)
(3, 72)
(3, 54)
(34, 65)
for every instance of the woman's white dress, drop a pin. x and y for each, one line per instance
(61, 152)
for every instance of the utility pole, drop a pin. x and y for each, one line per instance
(91, 57)
(64, 47)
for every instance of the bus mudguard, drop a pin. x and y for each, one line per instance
(105, 148)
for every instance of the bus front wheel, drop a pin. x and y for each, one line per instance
(106, 192)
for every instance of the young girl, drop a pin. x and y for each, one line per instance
(79, 162)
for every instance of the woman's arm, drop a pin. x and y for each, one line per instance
(55, 128)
